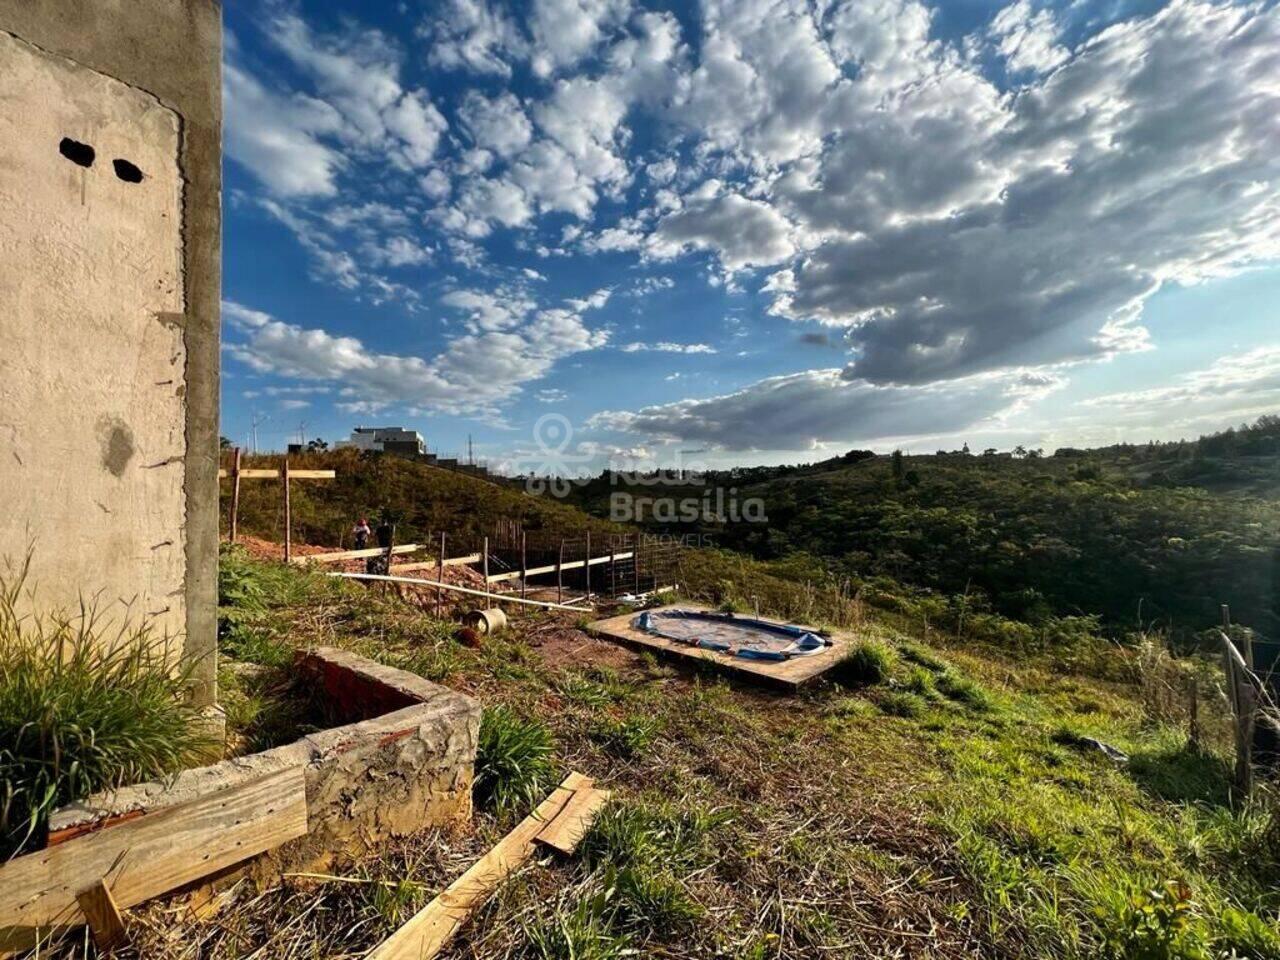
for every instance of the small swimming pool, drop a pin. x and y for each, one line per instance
(745, 637)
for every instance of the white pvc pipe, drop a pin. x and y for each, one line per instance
(436, 584)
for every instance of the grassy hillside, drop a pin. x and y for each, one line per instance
(1085, 533)
(943, 801)
(423, 499)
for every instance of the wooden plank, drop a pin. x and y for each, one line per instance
(553, 567)
(103, 916)
(340, 555)
(265, 474)
(430, 929)
(149, 855)
(470, 558)
(566, 831)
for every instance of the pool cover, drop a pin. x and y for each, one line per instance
(725, 633)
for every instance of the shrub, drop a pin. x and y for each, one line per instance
(513, 761)
(84, 707)
(869, 662)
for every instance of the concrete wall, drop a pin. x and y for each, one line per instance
(109, 293)
(404, 761)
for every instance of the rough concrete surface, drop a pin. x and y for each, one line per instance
(381, 775)
(101, 446)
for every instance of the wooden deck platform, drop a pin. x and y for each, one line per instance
(786, 675)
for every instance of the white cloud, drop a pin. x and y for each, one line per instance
(566, 30)
(1027, 38)
(665, 346)
(279, 138)
(475, 373)
(496, 123)
(742, 232)
(471, 35)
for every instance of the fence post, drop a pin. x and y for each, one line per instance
(1193, 715)
(486, 564)
(288, 517)
(440, 577)
(587, 566)
(613, 569)
(560, 573)
(235, 494)
(635, 563)
(524, 564)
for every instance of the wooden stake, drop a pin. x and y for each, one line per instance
(288, 517)
(613, 571)
(440, 578)
(103, 916)
(486, 560)
(524, 564)
(1193, 712)
(635, 553)
(235, 493)
(588, 565)
(560, 574)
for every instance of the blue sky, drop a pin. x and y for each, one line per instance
(768, 230)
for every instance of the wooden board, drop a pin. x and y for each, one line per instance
(149, 855)
(566, 831)
(433, 564)
(356, 554)
(430, 929)
(572, 565)
(103, 916)
(786, 675)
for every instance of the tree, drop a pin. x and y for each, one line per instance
(317, 446)
(224, 443)
(897, 466)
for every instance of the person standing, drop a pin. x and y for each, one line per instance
(361, 533)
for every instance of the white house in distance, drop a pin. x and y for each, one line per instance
(386, 440)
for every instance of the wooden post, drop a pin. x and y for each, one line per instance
(587, 567)
(440, 577)
(235, 494)
(288, 517)
(613, 570)
(485, 556)
(635, 561)
(1193, 715)
(100, 910)
(524, 562)
(560, 573)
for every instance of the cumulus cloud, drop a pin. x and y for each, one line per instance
(564, 31)
(476, 372)
(741, 231)
(279, 138)
(803, 410)
(472, 35)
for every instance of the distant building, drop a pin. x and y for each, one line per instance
(397, 440)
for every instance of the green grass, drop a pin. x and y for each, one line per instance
(513, 768)
(85, 705)
(868, 663)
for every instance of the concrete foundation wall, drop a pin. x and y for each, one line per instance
(381, 775)
(109, 294)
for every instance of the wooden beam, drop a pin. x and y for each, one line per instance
(233, 524)
(553, 567)
(436, 585)
(566, 831)
(264, 474)
(103, 916)
(340, 555)
(470, 558)
(430, 929)
(148, 855)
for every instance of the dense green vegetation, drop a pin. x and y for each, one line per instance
(1108, 533)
